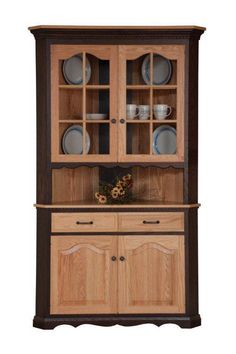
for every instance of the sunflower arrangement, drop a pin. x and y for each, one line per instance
(119, 192)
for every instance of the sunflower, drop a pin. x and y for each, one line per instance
(97, 195)
(114, 194)
(121, 184)
(127, 177)
(122, 192)
(102, 199)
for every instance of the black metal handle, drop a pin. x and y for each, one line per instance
(151, 222)
(113, 120)
(113, 258)
(122, 121)
(122, 259)
(84, 222)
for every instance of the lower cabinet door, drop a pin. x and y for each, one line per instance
(151, 274)
(83, 275)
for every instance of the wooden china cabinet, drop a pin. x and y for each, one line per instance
(129, 263)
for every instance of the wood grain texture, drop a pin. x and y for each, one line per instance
(71, 185)
(79, 222)
(153, 184)
(151, 278)
(83, 277)
(144, 222)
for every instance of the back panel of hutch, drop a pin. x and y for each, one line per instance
(117, 103)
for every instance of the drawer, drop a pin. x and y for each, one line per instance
(151, 221)
(79, 222)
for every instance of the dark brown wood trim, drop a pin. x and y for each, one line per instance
(44, 180)
(111, 320)
(191, 261)
(191, 123)
(116, 35)
(43, 263)
(57, 165)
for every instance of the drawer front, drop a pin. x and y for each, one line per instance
(151, 222)
(80, 222)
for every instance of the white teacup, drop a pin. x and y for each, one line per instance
(162, 111)
(144, 111)
(132, 111)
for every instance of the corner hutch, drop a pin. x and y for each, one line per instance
(129, 263)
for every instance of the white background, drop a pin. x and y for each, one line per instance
(217, 180)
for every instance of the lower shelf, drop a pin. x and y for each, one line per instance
(51, 322)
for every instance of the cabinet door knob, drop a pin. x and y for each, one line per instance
(113, 258)
(122, 258)
(122, 121)
(113, 120)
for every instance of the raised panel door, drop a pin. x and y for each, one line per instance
(83, 275)
(151, 274)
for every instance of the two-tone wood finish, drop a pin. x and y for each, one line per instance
(73, 198)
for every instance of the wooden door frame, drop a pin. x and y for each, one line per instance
(62, 52)
(172, 52)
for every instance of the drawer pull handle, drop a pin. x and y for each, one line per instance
(122, 259)
(113, 258)
(84, 222)
(151, 222)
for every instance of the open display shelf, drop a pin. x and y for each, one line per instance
(117, 113)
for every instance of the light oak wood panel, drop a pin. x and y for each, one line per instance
(151, 278)
(78, 184)
(83, 277)
(157, 185)
(82, 222)
(151, 222)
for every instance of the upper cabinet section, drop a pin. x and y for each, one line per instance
(117, 103)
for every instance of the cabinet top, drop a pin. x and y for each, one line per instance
(115, 32)
(58, 27)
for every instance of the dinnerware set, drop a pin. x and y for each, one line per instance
(142, 112)
(164, 136)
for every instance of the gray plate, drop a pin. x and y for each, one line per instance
(72, 141)
(162, 70)
(73, 70)
(164, 140)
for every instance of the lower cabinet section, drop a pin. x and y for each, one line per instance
(117, 274)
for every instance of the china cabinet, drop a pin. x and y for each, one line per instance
(117, 103)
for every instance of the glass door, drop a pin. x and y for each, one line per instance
(151, 103)
(83, 108)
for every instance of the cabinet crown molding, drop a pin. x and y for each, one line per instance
(116, 33)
